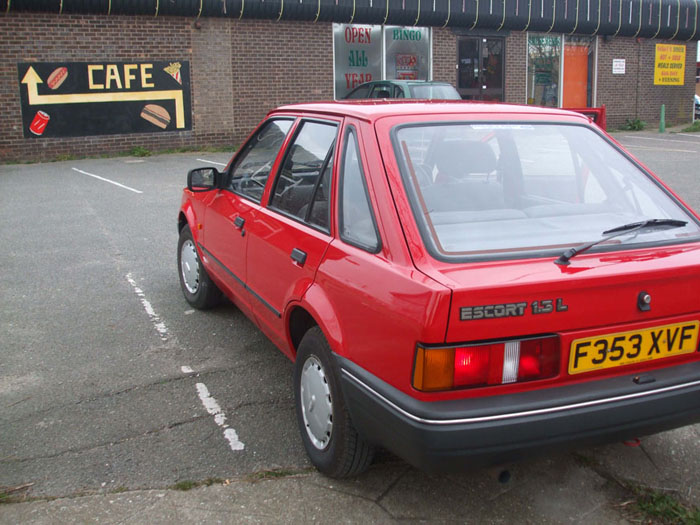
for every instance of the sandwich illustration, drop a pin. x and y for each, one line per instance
(156, 115)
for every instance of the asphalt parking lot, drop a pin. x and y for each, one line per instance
(114, 392)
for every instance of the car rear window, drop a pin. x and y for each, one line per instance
(484, 190)
(434, 92)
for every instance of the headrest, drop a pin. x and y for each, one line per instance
(458, 158)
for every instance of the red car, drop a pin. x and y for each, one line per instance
(458, 283)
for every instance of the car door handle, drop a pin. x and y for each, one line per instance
(298, 256)
(238, 222)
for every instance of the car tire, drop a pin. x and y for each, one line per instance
(330, 439)
(197, 287)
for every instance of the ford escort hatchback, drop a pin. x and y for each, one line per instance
(459, 283)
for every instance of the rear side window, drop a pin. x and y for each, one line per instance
(383, 91)
(301, 189)
(252, 167)
(360, 92)
(357, 226)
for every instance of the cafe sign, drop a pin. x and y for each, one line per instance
(64, 99)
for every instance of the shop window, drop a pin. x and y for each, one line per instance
(367, 53)
(543, 66)
(561, 70)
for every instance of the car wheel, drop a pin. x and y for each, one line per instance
(197, 287)
(331, 441)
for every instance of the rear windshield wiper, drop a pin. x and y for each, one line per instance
(639, 227)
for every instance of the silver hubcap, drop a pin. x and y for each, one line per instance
(189, 266)
(316, 403)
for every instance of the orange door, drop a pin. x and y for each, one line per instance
(575, 76)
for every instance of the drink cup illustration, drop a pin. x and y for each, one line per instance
(38, 125)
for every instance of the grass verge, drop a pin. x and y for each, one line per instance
(189, 484)
(694, 127)
(663, 507)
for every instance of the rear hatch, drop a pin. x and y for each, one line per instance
(495, 204)
(606, 314)
(595, 292)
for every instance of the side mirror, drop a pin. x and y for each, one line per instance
(203, 179)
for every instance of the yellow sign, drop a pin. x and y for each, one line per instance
(669, 66)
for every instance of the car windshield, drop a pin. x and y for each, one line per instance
(434, 92)
(481, 190)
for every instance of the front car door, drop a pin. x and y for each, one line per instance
(233, 208)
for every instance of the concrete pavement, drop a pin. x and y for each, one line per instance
(171, 440)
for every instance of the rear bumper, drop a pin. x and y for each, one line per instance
(448, 436)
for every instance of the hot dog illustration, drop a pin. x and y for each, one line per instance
(57, 78)
(156, 115)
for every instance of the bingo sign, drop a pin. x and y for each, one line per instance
(669, 67)
(76, 99)
(406, 67)
(407, 53)
(358, 56)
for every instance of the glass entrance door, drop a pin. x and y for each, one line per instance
(480, 68)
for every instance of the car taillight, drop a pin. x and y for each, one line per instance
(486, 364)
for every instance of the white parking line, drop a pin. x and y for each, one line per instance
(157, 323)
(211, 405)
(634, 146)
(694, 135)
(656, 139)
(106, 180)
(211, 162)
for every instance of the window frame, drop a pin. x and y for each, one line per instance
(350, 128)
(329, 159)
(232, 165)
(430, 239)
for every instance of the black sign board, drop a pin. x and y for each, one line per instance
(74, 99)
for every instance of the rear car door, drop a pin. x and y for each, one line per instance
(233, 208)
(288, 237)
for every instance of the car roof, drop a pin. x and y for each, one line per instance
(403, 82)
(372, 110)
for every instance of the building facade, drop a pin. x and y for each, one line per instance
(106, 76)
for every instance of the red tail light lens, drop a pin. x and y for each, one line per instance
(487, 364)
(471, 366)
(538, 358)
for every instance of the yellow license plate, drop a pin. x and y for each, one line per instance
(625, 348)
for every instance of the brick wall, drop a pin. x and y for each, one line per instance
(634, 95)
(276, 63)
(677, 99)
(213, 120)
(38, 37)
(516, 68)
(239, 71)
(444, 56)
(242, 69)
